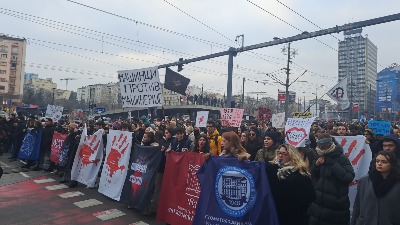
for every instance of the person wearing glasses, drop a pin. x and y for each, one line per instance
(378, 193)
(332, 173)
(214, 138)
(254, 144)
(291, 186)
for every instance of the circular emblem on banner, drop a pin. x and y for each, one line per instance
(235, 190)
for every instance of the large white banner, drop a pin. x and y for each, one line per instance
(278, 120)
(297, 131)
(140, 88)
(54, 112)
(360, 156)
(115, 168)
(88, 158)
(201, 118)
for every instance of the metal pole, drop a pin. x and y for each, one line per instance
(287, 85)
(243, 93)
(304, 103)
(316, 102)
(372, 107)
(230, 74)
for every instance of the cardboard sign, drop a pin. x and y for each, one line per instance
(54, 112)
(140, 88)
(231, 117)
(201, 118)
(278, 120)
(307, 114)
(379, 126)
(297, 131)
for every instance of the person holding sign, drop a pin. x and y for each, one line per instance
(378, 193)
(332, 173)
(291, 186)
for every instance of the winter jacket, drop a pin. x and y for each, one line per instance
(379, 147)
(179, 145)
(215, 141)
(292, 195)
(47, 138)
(266, 154)
(253, 146)
(331, 206)
(370, 210)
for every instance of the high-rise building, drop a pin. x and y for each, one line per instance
(358, 62)
(28, 76)
(12, 60)
(388, 93)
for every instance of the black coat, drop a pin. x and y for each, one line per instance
(332, 186)
(47, 138)
(292, 196)
(253, 146)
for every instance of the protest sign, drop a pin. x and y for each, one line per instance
(140, 88)
(360, 156)
(88, 158)
(180, 188)
(234, 192)
(30, 148)
(379, 126)
(297, 131)
(140, 181)
(201, 118)
(278, 120)
(54, 112)
(231, 117)
(307, 114)
(56, 144)
(115, 168)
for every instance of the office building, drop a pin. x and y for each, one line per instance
(388, 93)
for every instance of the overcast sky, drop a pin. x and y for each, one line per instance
(69, 40)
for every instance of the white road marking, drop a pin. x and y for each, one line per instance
(71, 194)
(88, 203)
(56, 187)
(41, 181)
(24, 174)
(109, 214)
(139, 223)
(4, 165)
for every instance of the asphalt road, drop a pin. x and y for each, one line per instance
(37, 197)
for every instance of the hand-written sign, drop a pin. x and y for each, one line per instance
(302, 114)
(297, 131)
(201, 119)
(140, 88)
(379, 126)
(278, 120)
(54, 112)
(231, 117)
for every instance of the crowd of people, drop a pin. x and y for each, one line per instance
(310, 184)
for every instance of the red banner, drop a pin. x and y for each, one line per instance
(180, 188)
(56, 144)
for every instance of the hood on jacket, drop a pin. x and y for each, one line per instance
(390, 137)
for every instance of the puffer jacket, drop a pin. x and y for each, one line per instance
(331, 206)
(215, 141)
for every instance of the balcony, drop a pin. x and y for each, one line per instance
(13, 76)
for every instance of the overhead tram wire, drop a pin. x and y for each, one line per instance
(39, 22)
(152, 26)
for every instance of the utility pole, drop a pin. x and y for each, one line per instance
(243, 93)
(287, 83)
(202, 89)
(316, 102)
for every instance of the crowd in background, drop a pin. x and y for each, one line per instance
(309, 184)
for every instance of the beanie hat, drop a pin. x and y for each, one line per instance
(273, 135)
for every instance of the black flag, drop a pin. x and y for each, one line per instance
(175, 82)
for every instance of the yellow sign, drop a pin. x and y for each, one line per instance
(301, 114)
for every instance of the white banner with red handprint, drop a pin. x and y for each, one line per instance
(202, 118)
(118, 152)
(360, 156)
(88, 158)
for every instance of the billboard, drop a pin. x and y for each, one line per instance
(387, 91)
(282, 96)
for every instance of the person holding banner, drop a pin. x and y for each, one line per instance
(333, 173)
(201, 145)
(45, 145)
(232, 147)
(291, 186)
(181, 143)
(378, 193)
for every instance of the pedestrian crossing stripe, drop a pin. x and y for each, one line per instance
(41, 181)
(24, 174)
(87, 203)
(109, 214)
(56, 187)
(71, 194)
(139, 223)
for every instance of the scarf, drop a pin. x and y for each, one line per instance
(324, 152)
(382, 186)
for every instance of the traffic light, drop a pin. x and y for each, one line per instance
(180, 66)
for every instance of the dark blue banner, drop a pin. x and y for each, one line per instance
(140, 180)
(30, 148)
(234, 192)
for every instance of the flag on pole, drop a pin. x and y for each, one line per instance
(175, 82)
(339, 94)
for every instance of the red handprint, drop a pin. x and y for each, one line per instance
(352, 146)
(118, 149)
(90, 145)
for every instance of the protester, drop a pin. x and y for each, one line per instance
(342, 130)
(214, 138)
(254, 144)
(232, 147)
(17, 137)
(333, 173)
(268, 152)
(244, 138)
(71, 143)
(181, 143)
(45, 145)
(388, 143)
(201, 145)
(291, 186)
(378, 194)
